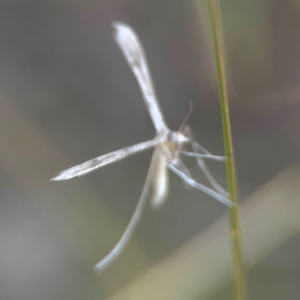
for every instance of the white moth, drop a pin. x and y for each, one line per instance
(168, 147)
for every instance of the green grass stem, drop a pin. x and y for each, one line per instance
(235, 232)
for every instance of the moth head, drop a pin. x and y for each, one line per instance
(179, 137)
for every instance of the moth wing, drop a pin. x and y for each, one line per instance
(103, 160)
(134, 53)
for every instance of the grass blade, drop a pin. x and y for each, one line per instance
(235, 232)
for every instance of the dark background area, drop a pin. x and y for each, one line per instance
(67, 95)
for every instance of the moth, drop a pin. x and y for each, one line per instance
(168, 147)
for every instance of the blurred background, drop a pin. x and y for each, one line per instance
(67, 95)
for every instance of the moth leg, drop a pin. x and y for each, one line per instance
(196, 147)
(204, 156)
(200, 187)
(122, 243)
(182, 168)
(190, 134)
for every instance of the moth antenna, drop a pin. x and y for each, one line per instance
(187, 116)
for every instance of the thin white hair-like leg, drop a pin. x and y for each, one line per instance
(134, 53)
(201, 187)
(182, 168)
(196, 147)
(122, 243)
(200, 147)
(203, 156)
(209, 175)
